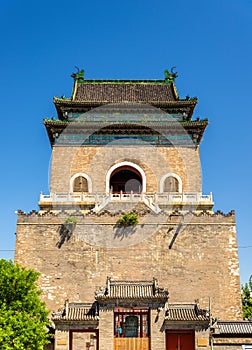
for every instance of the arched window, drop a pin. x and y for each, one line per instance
(80, 184)
(171, 183)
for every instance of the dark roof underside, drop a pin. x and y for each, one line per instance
(170, 128)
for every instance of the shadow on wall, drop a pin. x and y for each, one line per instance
(65, 233)
(175, 235)
(122, 232)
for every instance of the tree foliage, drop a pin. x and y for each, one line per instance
(247, 300)
(23, 316)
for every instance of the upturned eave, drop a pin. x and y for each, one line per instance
(195, 128)
(177, 106)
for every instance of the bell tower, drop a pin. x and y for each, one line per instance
(129, 249)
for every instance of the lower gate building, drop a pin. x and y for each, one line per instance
(131, 254)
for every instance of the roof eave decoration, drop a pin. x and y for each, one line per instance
(131, 290)
(170, 76)
(54, 128)
(186, 313)
(79, 75)
(77, 312)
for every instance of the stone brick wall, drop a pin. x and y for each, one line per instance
(157, 337)
(62, 338)
(96, 161)
(194, 256)
(106, 323)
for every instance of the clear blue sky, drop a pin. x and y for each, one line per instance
(209, 42)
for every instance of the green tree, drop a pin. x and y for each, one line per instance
(247, 300)
(23, 316)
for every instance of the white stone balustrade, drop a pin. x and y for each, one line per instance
(151, 198)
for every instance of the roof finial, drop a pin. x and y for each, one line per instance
(170, 76)
(79, 76)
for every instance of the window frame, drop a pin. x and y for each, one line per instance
(143, 314)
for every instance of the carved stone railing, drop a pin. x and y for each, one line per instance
(163, 198)
(152, 200)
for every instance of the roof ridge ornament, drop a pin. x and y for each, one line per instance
(170, 76)
(79, 75)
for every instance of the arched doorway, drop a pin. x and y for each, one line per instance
(125, 179)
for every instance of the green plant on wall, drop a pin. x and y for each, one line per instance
(128, 219)
(70, 220)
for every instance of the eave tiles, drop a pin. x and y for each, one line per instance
(186, 312)
(131, 290)
(77, 312)
(234, 328)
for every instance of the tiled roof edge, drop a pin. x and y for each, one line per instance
(124, 81)
(164, 102)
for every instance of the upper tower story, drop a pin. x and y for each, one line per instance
(125, 139)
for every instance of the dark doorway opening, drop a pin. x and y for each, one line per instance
(125, 180)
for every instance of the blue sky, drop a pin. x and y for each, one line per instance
(210, 43)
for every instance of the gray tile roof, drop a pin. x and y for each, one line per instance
(234, 328)
(131, 290)
(125, 91)
(186, 312)
(77, 312)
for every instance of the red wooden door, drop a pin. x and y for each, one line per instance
(179, 340)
